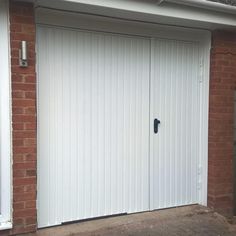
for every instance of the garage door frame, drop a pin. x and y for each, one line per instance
(121, 26)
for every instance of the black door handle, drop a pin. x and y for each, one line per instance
(156, 124)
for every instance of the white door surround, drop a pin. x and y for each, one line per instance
(5, 121)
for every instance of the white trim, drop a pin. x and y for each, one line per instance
(5, 121)
(105, 24)
(149, 11)
(204, 118)
(214, 6)
(5, 226)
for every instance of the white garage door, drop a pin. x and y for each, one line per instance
(93, 125)
(98, 97)
(175, 103)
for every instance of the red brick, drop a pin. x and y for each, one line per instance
(23, 118)
(30, 157)
(24, 86)
(24, 166)
(30, 220)
(30, 188)
(21, 19)
(18, 158)
(19, 189)
(18, 142)
(22, 27)
(30, 204)
(31, 95)
(23, 197)
(23, 181)
(19, 206)
(21, 70)
(16, 78)
(19, 173)
(30, 78)
(30, 142)
(31, 172)
(29, 29)
(24, 134)
(16, 27)
(221, 113)
(30, 126)
(23, 229)
(18, 221)
(22, 150)
(25, 212)
(18, 94)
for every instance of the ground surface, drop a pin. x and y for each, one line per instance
(190, 221)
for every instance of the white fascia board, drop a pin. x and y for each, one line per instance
(165, 13)
(206, 4)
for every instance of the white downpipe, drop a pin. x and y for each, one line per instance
(206, 4)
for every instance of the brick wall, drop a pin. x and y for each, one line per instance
(22, 27)
(221, 121)
(222, 86)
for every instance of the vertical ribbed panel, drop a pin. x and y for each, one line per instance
(93, 125)
(175, 102)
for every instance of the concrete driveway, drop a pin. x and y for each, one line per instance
(191, 220)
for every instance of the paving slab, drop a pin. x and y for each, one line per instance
(190, 221)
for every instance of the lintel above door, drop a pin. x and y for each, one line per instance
(92, 22)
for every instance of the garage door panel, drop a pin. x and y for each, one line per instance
(175, 97)
(93, 125)
(97, 151)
